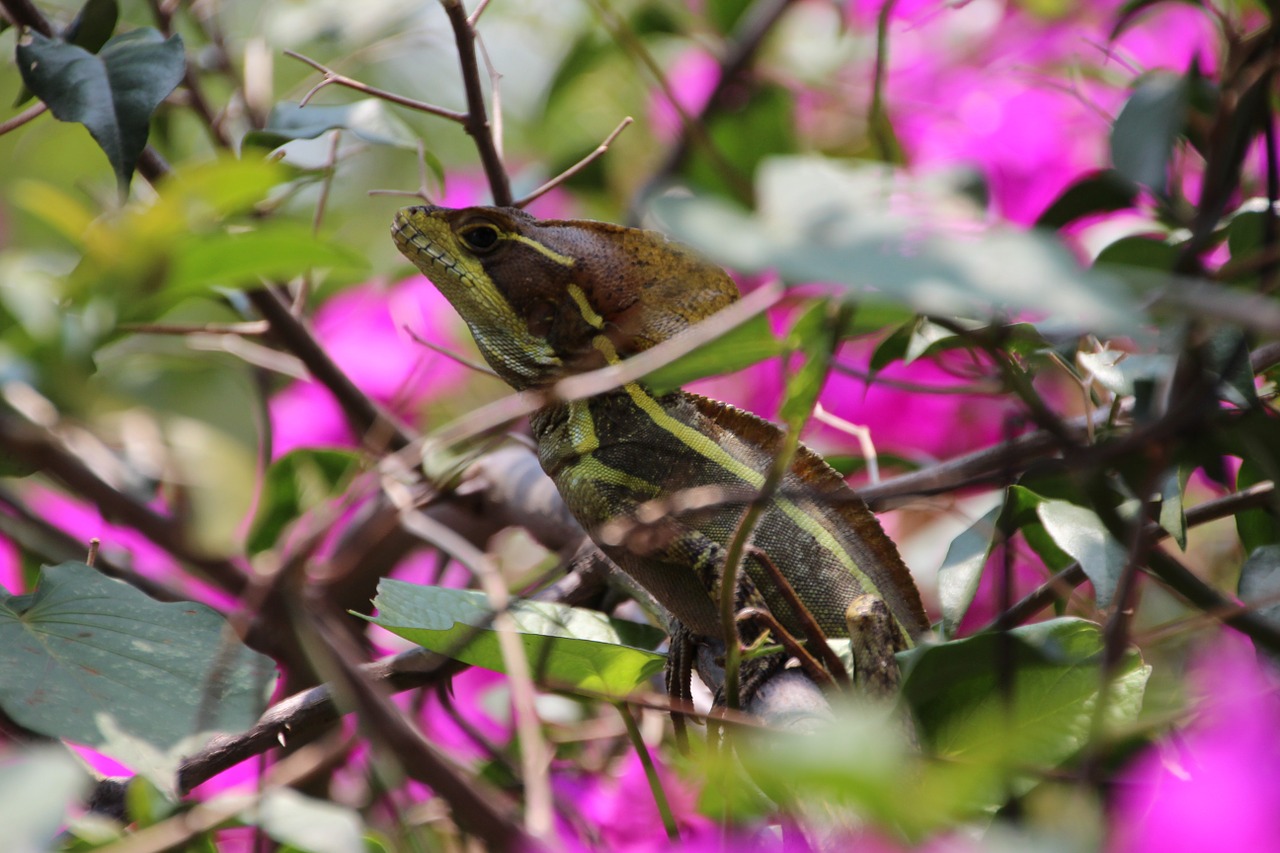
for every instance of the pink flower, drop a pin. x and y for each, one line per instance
(692, 78)
(620, 810)
(1213, 785)
(369, 332)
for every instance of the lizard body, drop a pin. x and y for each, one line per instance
(547, 299)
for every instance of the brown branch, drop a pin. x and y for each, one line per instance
(476, 808)
(367, 419)
(476, 122)
(333, 78)
(29, 114)
(42, 450)
(23, 13)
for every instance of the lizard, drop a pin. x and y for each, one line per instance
(546, 299)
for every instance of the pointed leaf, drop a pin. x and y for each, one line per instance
(568, 647)
(95, 661)
(112, 93)
(1080, 533)
(962, 569)
(1144, 133)
(952, 689)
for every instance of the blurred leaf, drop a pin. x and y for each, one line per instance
(568, 647)
(1099, 192)
(1259, 586)
(1144, 133)
(369, 119)
(724, 14)
(1081, 534)
(39, 788)
(302, 823)
(1149, 253)
(744, 137)
(1133, 9)
(815, 334)
(295, 483)
(741, 346)
(1256, 527)
(94, 661)
(962, 569)
(820, 221)
(953, 690)
(277, 250)
(1173, 516)
(1226, 353)
(112, 93)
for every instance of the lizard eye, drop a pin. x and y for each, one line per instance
(481, 238)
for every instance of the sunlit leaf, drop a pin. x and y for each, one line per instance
(954, 691)
(962, 569)
(1080, 533)
(567, 647)
(279, 250)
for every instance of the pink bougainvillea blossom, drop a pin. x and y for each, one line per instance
(369, 333)
(1212, 785)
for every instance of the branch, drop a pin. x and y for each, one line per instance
(333, 78)
(375, 427)
(42, 450)
(476, 122)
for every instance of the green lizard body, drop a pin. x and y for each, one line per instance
(659, 482)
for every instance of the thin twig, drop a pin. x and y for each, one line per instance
(249, 327)
(576, 167)
(32, 112)
(333, 78)
(367, 420)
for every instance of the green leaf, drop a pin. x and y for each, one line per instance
(1260, 582)
(964, 715)
(962, 569)
(568, 647)
(820, 221)
(369, 119)
(94, 661)
(1173, 516)
(112, 93)
(1147, 253)
(1100, 192)
(93, 25)
(295, 483)
(741, 346)
(1131, 10)
(1081, 534)
(1144, 133)
(277, 250)
(39, 787)
(302, 823)
(815, 333)
(1256, 527)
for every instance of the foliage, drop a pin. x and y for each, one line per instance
(1028, 248)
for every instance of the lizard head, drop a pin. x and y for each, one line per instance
(538, 295)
